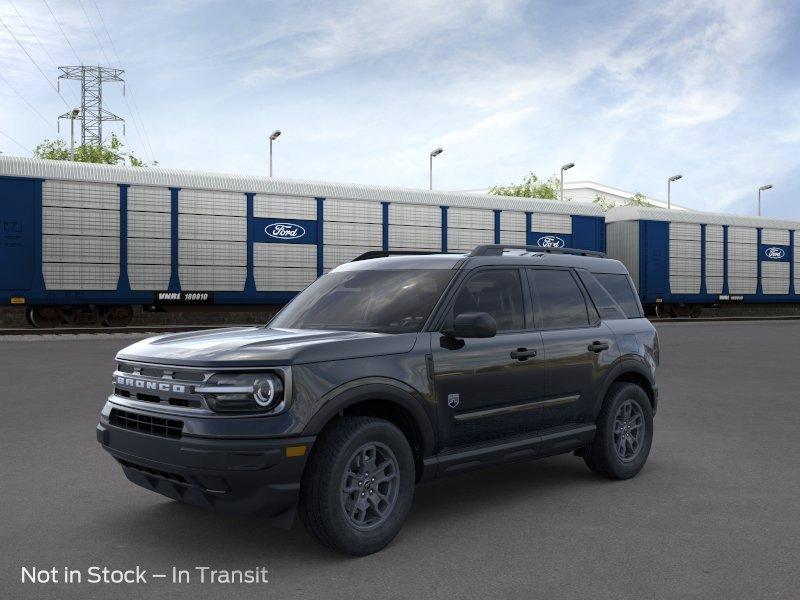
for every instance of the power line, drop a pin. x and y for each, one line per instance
(16, 142)
(99, 43)
(21, 97)
(61, 29)
(35, 64)
(38, 41)
(136, 114)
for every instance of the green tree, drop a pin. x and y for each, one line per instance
(531, 187)
(606, 204)
(112, 153)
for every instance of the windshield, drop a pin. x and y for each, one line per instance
(391, 301)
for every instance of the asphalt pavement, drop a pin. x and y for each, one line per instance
(714, 514)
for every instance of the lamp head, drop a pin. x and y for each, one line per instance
(436, 152)
(765, 187)
(275, 134)
(675, 177)
(567, 166)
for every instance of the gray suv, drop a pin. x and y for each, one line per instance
(388, 371)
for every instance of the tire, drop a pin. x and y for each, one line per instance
(334, 497)
(615, 457)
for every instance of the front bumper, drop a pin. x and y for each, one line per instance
(236, 476)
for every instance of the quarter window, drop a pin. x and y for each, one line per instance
(621, 289)
(560, 300)
(497, 292)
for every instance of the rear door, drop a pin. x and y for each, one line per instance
(578, 346)
(486, 387)
(17, 227)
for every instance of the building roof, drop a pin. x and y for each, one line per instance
(156, 176)
(638, 213)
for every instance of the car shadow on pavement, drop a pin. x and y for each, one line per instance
(457, 501)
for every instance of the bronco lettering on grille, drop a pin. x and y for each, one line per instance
(143, 384)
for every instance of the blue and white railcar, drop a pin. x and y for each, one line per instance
(682, 261)
(103, 238)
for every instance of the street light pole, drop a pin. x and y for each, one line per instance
(72, 115)
(273, 136)
(436, 152)
(669, 189)
(763, 188)
(564, 168)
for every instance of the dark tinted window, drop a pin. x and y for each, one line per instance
(605, 304)
(391, 301)
(621, 289)
(497, 292)
(559, 299)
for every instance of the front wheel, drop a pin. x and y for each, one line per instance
(358, 486)
(624, 433)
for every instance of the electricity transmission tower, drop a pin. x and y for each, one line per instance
(92, 113)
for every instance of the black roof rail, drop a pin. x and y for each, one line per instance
(387, 253)
(498, 249)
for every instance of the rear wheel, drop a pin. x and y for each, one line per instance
(44, 317)
(624, 433)
(358, 485)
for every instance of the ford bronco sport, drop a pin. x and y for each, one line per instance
(386, 372)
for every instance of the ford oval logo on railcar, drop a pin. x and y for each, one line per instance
(285, 231)
(550, 241)
(775, 253)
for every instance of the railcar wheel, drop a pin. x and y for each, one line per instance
(118, 316)
(695, 311)
(44, 317)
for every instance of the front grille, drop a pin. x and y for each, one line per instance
(171, 428)
(160, 385)
(150, 471)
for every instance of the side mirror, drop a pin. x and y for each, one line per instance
(472, 325)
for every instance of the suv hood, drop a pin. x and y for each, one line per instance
(260, 346)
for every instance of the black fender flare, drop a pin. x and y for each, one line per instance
(625, 366)
(373, 388)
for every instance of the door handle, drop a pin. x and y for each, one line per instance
(598, 346)
(522, 353)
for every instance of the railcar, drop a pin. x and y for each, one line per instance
(684, 261)
(86, 243)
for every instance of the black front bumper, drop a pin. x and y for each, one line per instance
(236, 476)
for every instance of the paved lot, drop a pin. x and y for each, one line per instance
(715, 513)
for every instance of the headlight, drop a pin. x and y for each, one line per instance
(243, 392)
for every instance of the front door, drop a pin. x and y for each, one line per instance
(485, 387)
(17, 198)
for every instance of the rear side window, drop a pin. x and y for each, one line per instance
(559, 299)
(621, 289)
(608, 308)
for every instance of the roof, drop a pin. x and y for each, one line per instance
(14, 166)
(637, 213)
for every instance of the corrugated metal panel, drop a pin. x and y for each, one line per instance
(551, 223)
(285, 255)
(54, 169)
(511, 220)
(715, 250)
(76, 221)
(337, 255)
(80, 276)
(208, 278)
(79, 194)
(715, 233)
(466, 239)
(775, 276)
(684, 231)
(149, 225)
(203, 252)
(149, 199)
(284, 207)
(470, 218)
(73, 248)
(204, 202)
(148, 277)
(634, 213)
(742, 252)
(409, 214)
(353, 234)
(208, 227)
(144, 251)
(270, 279)
(742, 285)
(742, 268)
(518, 238)
(775, 236)
(622, 243)
(742, 235)
(715, 268)
(684, 284)
(714, 285)
(353, 211)
(415, 238)
(684, 249)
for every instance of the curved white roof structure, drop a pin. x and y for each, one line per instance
(639, 213)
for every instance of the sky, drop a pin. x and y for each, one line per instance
(631, 92)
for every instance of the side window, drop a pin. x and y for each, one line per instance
(560, 300)
(605, 304)
(497, 292)
(621, 289)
